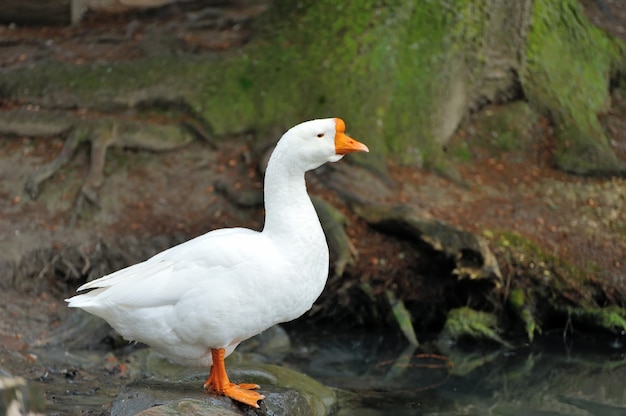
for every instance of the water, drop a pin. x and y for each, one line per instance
(378, 374)
(555, 376)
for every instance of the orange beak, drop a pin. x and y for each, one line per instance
(345, 144)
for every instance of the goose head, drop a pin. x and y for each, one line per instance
(313, 143)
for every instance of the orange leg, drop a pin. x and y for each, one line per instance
(219, 383)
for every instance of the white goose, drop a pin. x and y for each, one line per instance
(197, 301)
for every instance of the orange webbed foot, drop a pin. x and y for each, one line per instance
(248, 386)
(240, 392)
(219, 383)
(243, 394)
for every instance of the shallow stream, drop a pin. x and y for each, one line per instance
(556, 376)
(377, 374)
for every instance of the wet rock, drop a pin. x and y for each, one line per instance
(174, 388)
(133, 402)
(187, 407)
(276, 402)
(18, 398)
(157, 386)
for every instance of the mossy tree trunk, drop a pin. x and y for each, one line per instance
(402, 73)
(567, 70)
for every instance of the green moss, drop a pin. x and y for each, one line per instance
(476, 324)
(460, 151)
(389, 68)
(619, 227)
(541, 278)
(571, 52)
(504, 128)
(523, 308)
(516, 298)
(402, 317)
(144, 84)
(568, 67)
(382, 66)
(376, 64)
(383, 69)
(611, 318)
(549, 267)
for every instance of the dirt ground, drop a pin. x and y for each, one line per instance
(580, 219)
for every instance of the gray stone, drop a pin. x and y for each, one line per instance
(18, 398)
(287, 392)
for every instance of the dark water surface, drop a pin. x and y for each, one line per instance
(557, 375)
(377, 374)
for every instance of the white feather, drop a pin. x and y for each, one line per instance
(225, 286)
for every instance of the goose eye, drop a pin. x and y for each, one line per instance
(320, 135)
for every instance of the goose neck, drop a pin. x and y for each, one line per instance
(288, 208)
